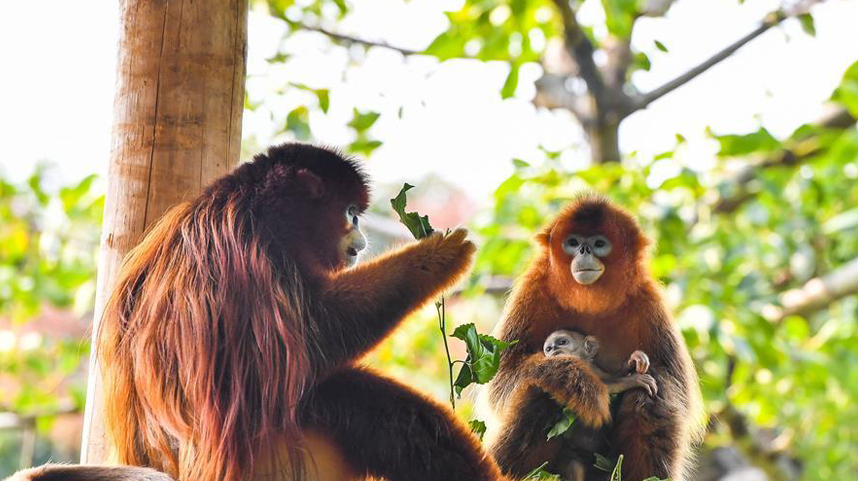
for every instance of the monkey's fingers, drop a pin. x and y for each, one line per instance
(649, 384)
(638, 362)
(457, 235)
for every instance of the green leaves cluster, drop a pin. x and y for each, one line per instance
(483, 359)
(484, 351)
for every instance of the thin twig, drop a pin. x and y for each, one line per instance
(796, 152)
(352, 40)
(771, 20)
(581, 49)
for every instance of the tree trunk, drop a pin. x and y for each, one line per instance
(177, 126)
(604, 141)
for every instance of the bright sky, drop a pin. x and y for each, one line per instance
(59, 59)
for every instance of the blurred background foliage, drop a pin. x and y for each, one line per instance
(757, 250)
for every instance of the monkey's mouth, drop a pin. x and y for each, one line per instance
(351, 257)
(587, 276)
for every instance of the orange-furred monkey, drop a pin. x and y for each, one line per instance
(590, 276)
(229, 346)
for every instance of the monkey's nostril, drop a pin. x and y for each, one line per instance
(352, 251)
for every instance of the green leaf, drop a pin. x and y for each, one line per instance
(279, 57)
(298, 122)
(660, 46)
(483, 359)
(619, 16)
(520, 164)
(361, 121)
(603, 463)
(847, 93)
(364, 146)
(641, 62)
(478, 427)
(540, 473)
(738, 145)
(419, 226)
(323, 95)
(324, 99)
(567, 419)
(511, 82)
(807, 24)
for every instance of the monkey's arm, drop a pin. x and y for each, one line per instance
(527, 392)
(655, 433)
(568, 380)
(359, 307)
(572, 383)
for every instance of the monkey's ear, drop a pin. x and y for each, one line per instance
(543, 238)
(310, 183)
(591, 345)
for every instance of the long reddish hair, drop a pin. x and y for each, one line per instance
(202, 346)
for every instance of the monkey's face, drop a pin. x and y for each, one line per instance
(586, 252)
(570, 343)
(353, 241)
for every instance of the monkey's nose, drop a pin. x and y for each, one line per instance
(359, 244)
(585, 249)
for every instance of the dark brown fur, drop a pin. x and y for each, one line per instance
(624, 310)
(234, 328)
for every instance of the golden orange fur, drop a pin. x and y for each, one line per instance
(624, 310)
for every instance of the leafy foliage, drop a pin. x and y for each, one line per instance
(541, 473)
(483, 359)
(418, 225)
(566, 419)
(478, 427)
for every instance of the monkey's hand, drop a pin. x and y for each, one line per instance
(572, 383)
(647, 382)
(445, 258)
(638, 362)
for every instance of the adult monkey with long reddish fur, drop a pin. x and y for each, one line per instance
(590, 275)
(228, 347)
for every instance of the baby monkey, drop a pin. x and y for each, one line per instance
(571, 343)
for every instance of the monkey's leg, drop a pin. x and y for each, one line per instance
(385, 429)
(523, 443)
(648, 433)
(358, 307)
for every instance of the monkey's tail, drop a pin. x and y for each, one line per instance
(64, 472)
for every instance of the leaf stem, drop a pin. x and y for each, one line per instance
(440, 308)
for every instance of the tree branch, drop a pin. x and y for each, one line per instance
(798, 152)
(771, 20)
(551, 93)
(581, 49)
(816, 293)
(352, 40)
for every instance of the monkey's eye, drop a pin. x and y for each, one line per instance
(601, 245)
(562, 342)
(573, 242)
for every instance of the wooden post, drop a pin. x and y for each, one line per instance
(177, 126)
